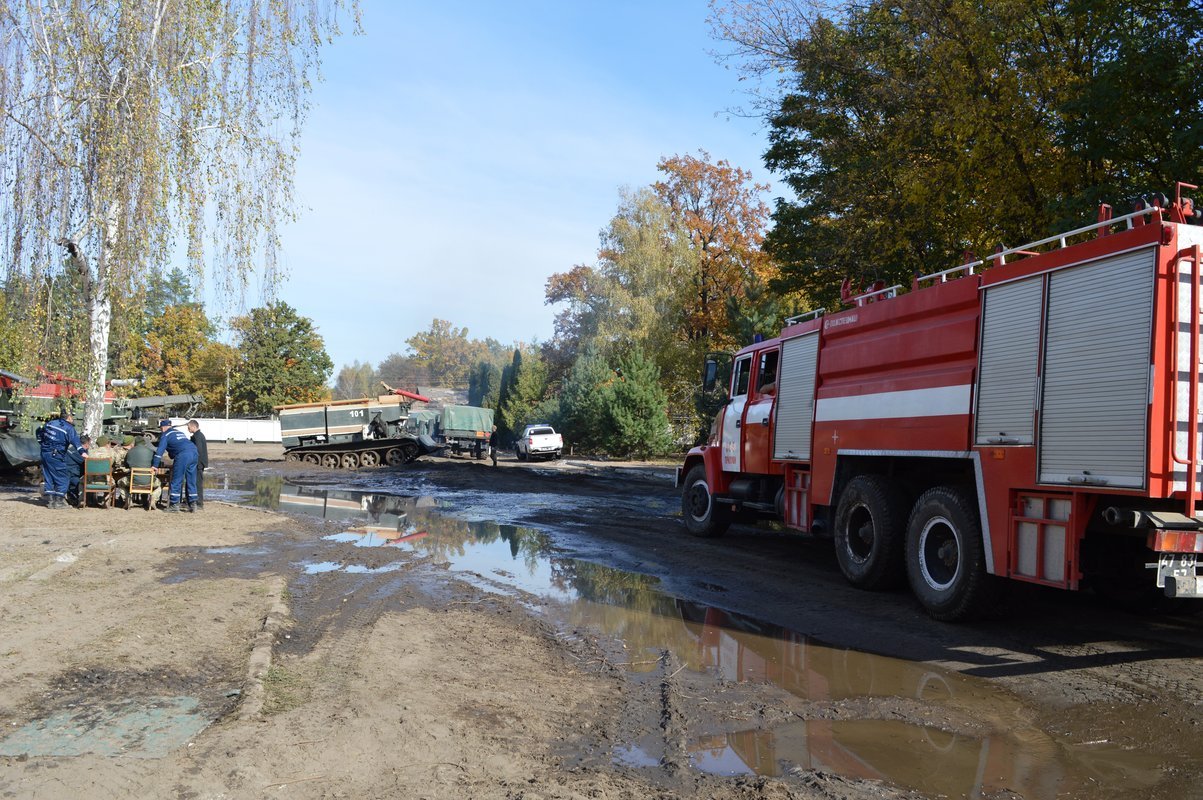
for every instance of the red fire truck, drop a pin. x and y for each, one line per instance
(1037, 420)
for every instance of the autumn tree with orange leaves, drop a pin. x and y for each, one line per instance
(680, 271)
(721, 211)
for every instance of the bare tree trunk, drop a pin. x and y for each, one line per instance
(100, 307)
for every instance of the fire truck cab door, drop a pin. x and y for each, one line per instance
(758, 414)
(733, 416)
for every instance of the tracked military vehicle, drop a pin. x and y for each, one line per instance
(348, 434)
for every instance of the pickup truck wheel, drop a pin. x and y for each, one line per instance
(521, 455)
(870, 531)
(703, 517)
(945, 557)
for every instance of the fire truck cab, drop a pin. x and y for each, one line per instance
(1035, 421)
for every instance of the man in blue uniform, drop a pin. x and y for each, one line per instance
(183, 465)
(57, 436)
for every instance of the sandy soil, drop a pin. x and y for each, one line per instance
(418, 687)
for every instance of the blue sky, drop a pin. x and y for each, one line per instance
(458, 154)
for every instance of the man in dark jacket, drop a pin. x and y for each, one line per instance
(202, 461)
(57, 437)
(493, 445)
(183, 465)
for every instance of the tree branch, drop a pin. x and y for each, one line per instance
(38, 137)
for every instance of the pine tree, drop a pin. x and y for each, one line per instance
(582, 401)
(636, 406)
(528, 385)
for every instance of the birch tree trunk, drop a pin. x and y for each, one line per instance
(100, 308)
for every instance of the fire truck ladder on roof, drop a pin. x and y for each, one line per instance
(1191, 461)
(1102, 227)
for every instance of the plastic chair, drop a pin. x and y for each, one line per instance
(97, 479)
(141, 483)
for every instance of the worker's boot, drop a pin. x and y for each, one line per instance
(192, 508)
(174, 508)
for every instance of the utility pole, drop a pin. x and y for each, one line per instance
(227, 391)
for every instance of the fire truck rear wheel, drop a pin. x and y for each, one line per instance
(702, 516)
(945, 556)
(870, 530)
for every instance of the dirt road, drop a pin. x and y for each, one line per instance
(540, 631)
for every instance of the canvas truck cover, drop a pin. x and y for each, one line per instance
(423, 422)
(466, 418)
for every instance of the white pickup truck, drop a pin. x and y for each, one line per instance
(539, 441)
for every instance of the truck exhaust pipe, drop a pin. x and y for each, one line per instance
(1123, 517)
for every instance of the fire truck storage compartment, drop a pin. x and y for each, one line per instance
(1094, 414)
(1006, 389)
(796, 397)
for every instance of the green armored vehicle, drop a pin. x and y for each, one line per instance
(364, 432)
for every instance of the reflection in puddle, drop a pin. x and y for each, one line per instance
(987, 747)
(354, 569)
(149, 728)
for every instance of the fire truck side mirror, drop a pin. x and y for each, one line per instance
(709, 375)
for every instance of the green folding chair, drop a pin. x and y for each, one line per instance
(97, 479)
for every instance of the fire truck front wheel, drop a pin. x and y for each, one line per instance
(945, 556)
(703, 517)
(870, 529)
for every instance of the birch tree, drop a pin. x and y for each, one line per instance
(133, 130)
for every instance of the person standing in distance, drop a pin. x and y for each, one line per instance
(493, 445)
(183, 465)
(202, 461)
(56, 437)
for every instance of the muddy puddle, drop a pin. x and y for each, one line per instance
(841, 711)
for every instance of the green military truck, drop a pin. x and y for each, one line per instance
(465, 429)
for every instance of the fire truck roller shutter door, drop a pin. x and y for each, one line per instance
(796, 397)
(1006, 393)
(1096, 372)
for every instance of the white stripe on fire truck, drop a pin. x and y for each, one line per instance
(939, 401)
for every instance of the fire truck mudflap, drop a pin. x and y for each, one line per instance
(1032, 417)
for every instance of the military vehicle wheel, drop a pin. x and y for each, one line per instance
(331, 460)
(349, 461)
(410, 451)
(313, 458)
(369, 459)
(292, 457)
(394, 457)
(946, 557)
(870, 532)
(703, 517)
